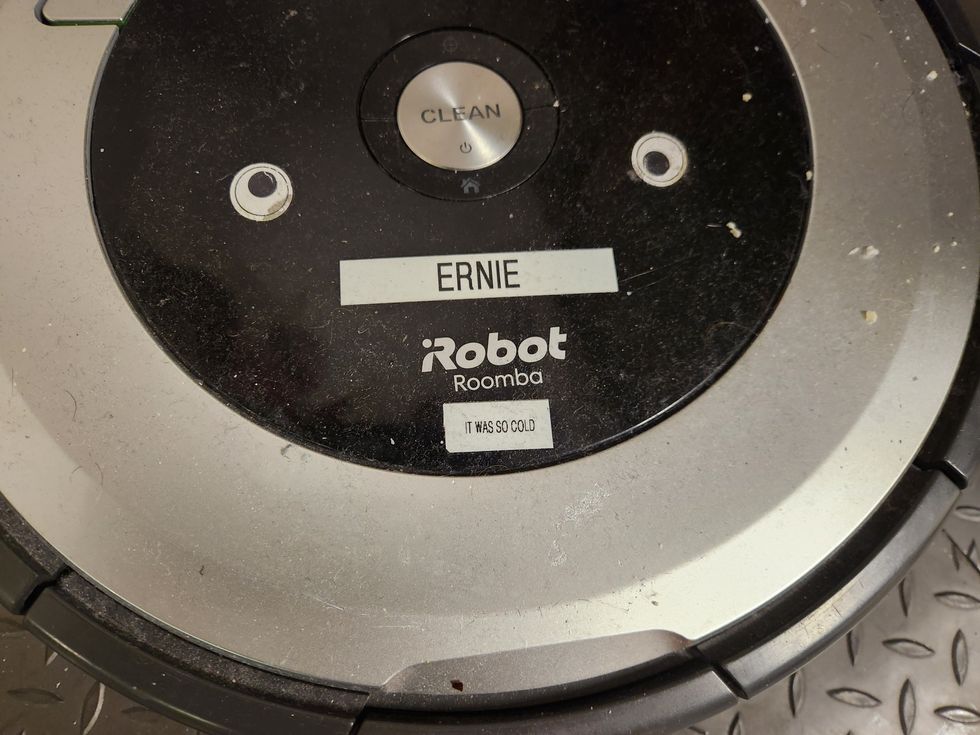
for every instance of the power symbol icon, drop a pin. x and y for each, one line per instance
(465, 148)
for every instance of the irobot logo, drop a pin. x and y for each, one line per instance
(497, 351)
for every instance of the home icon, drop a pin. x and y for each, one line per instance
(470, 186)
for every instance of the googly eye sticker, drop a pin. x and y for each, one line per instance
(659, 159)
(261, 192)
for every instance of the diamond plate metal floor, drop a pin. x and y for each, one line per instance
(42, 694)
(906, 669)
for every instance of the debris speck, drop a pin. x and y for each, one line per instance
(457, 685)
(932, 76)
(868, 252)
(802, 3)
(392, 441)
(575, 516)
(747, 97)
(733, 228)
(937, 247)
(870, 317)
(809, 175)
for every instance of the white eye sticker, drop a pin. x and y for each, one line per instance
(261, 192)
(659, 159)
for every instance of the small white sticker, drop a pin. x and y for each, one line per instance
(261, 192)
(480, 276)
(495, 426)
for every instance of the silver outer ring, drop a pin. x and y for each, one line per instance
(208, 524)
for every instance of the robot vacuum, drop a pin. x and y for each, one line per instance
(454, 367)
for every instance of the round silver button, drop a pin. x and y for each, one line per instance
(459, 116)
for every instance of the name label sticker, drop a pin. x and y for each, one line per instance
(478, 276)
(495, 426)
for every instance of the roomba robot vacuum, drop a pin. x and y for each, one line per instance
(454, 367)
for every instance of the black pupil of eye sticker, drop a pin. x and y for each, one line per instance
(262, 184)
(656, 163)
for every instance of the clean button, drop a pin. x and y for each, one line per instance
(459, 116)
